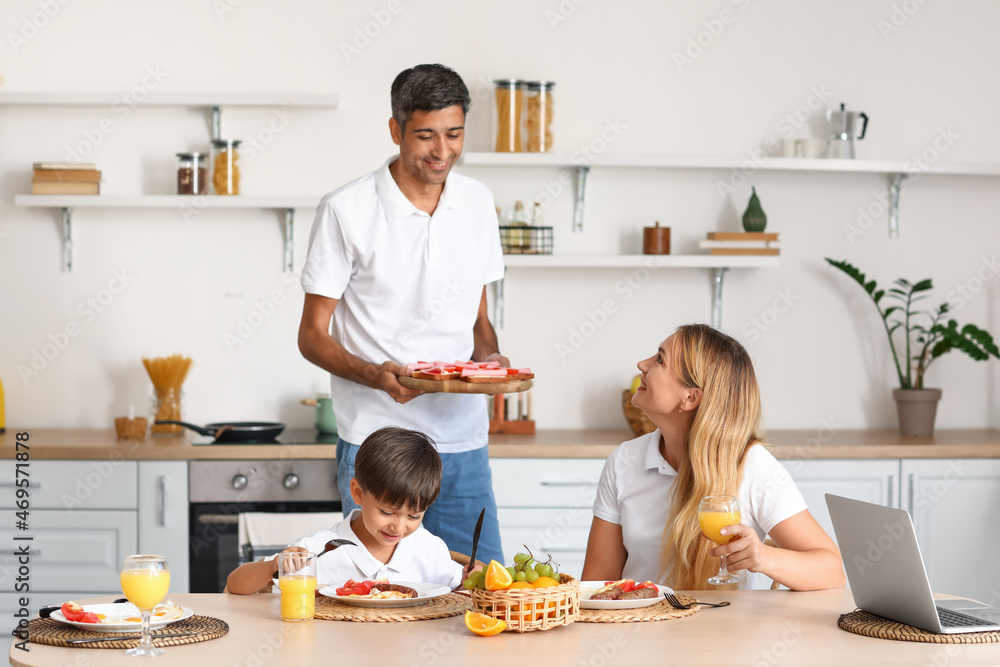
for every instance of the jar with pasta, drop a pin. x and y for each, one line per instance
(538, 118)
(510, 104)
(225, 167)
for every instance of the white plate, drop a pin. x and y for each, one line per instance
(120, 611)
(424, 593)
(588, 588)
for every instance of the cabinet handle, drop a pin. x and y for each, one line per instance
(546, 482)
(11, 552)
(163, 500)
(11, 485)
(910, 494)
(891, 480)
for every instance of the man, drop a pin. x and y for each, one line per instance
(400, 260)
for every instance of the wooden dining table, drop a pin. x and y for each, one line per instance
(760, 628)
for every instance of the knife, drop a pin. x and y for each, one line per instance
(113, 638)
(475, 539)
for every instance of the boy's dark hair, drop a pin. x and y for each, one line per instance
(427, 88)
(400, 468)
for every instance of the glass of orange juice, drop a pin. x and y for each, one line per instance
(714, 514)
(145, 581)
(297, 581)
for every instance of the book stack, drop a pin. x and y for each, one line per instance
(66, 178)
(742, 243)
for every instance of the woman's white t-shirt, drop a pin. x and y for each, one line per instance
(636, 488)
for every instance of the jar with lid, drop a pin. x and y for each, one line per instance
(510, 104)
(225, 167)
(538, 119)
(192, 174)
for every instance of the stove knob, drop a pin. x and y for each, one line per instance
(239, 481)
(291, 480)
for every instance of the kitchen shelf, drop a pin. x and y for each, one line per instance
(896, 171)
(192, 203)
(212, 101)
(718, 263)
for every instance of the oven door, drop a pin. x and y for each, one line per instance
(215, 547)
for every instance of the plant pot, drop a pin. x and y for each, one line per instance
(917, 409)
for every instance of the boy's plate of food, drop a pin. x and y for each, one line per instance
(384, 594)
(118, 616)
(622, 594)
(466, 377)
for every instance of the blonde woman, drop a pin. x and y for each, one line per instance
(701, 392)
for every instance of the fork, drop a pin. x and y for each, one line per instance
(677, 604)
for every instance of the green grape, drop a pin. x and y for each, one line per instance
(531, 576)
(543, 570)
(521, 576)
(477, 578)
(469, 584)
(481, 584)
(512, 571)
(521, 558)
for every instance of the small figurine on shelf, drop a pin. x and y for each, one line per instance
(754, 219)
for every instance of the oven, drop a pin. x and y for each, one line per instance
(223, 490)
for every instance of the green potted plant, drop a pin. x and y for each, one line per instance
(922, 336)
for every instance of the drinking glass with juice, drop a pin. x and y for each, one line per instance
(714, 514)
(145, 580)
(297, 581)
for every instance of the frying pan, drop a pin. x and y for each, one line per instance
(235, 431)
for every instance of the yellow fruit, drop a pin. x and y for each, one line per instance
(520, 584)
(545, 582)
(483, 625)
(636, 381)
(497, 577)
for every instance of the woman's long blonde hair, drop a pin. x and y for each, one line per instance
(726, 425)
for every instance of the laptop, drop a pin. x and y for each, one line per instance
(887, 574)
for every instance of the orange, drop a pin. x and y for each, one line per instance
(497, 577)
(483, 625)
(545, 582)
(520, 584)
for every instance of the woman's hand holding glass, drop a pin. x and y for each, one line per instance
(715, 514)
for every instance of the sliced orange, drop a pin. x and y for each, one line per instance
(483, 625)
(545, 582)
(497, 577)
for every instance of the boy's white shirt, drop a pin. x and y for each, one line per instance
(419, 557)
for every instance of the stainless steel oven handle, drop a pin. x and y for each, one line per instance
(219, 519)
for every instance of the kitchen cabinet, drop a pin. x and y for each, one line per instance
(546, 505)
(163, 517)
(954, 504)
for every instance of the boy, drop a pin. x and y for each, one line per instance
(397, 477)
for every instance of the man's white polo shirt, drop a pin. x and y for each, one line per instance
(409, 286)
(636, 489)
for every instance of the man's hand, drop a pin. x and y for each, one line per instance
(387, 380)
(496, 356)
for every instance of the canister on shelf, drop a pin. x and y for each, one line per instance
(192, 174)
(225, 167)
(510, 104)
(538, 121)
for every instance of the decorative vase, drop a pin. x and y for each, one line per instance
(917, 409)
(754, 219)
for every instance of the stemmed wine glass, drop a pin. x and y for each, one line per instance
(145, 582)
(714, 514)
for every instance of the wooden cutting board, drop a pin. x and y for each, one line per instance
(463, 387)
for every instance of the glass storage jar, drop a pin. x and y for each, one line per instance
(538, 119)
(509, 103)
(192, 174)
(225, 167)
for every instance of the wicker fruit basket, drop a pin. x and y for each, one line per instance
(637, 419)
(529, 609)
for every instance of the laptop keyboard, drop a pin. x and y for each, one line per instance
(955, 619)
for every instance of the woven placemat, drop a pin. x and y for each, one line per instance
(451, 604)
(862, 623)
(54, 633)
(661, 611)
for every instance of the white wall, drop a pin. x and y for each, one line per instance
(192, 282)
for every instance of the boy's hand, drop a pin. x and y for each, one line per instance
(296, 563)
(469, 569)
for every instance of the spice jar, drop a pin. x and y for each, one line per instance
(538, 123)
(192, 174)
(225, 170)
(510, 103)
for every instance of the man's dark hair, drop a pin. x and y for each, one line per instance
(427, 88)
(400, 468)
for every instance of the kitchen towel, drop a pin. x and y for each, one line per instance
(270, 532)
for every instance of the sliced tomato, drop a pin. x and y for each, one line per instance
(356, 588)
(88, 617)
(72, 611)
